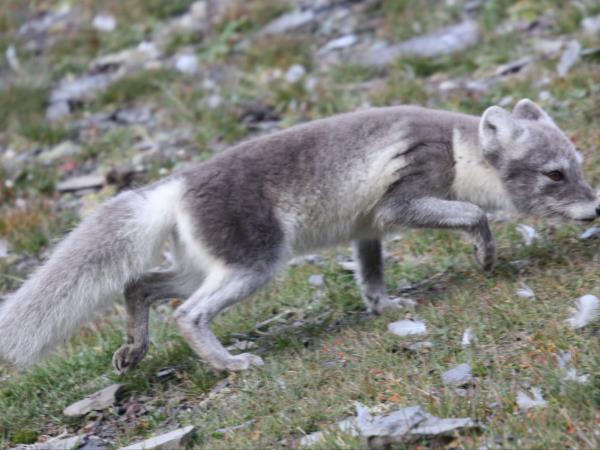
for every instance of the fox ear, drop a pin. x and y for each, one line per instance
(526, 109)
(496, 126)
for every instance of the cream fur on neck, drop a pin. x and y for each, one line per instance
(476, 181)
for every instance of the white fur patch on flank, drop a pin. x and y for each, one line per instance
(475, 180)
(194, 253)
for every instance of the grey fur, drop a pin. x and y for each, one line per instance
(236, 219)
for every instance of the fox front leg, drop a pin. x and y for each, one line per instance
(431, 212)
(368, 253)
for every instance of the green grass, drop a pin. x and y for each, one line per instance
(134, 87)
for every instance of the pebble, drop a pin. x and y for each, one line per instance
(187, 63)
(458, 376)
(98, 401)
(174, 440)
(316, 280)
(104, 22)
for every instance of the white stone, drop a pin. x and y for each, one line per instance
(288, 22)
(295, 73)
(407, 328)
(525, 291)
(339, 43)
(173, 440)
(458, 376)
(81, 182)
(591, 25)
(569, 58)
(316, 280)
(187, 63)
(104, 22)
(589, 233)
(98, 401)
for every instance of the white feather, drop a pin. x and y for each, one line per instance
(588, 310)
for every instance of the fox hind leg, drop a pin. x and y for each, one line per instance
(222, 288)
(139, 295)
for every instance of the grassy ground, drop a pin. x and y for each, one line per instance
(324, 352)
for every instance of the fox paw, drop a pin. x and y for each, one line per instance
(240, 362)
(127, 357)
(390, 304)
(485, 256)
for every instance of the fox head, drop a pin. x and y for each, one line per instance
(538, 165)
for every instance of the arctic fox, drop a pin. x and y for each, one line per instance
(236, 219)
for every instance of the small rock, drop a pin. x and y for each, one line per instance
(57, 111)
(407, 327)
(94, 443)
(95, 402)
(104, 22)
(214, 101)
(591, 25)
(81, 182)
(289, 22)
(589, 233)
(166, 373)
(445, 41)
(305, 259)
(241, 426)
(404, 426)
(3, 248)
(339, 43)
(346, 426)
(12, 59)
(548, 48)
(514, 66)
(187, 63)
(348, 266)
(569, 58)
(174, 440)
(85, 87)
(545, 96)
(62, 150)
(458, 376)
(60, 443)
(528, 234)
(134, 115)
(316, 280)
(525, 402)
(520, 264)
(468, 338)
(525, 291)
(295, 73)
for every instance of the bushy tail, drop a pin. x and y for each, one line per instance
(112, 246)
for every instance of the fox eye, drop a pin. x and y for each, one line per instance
(555, 175)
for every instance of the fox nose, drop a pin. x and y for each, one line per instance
(598, 211)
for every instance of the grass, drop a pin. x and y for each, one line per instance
(324, 352)
(133, 87)
(328, 354)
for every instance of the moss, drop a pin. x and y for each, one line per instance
(24, 437)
